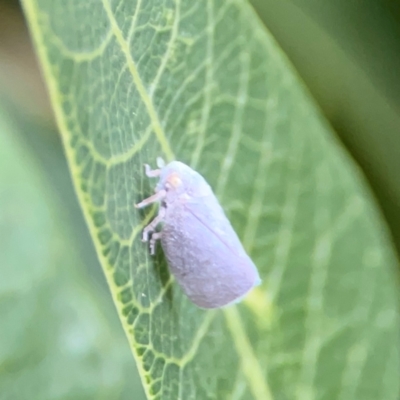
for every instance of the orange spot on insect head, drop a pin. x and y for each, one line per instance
(174, 180)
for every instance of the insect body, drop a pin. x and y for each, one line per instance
(203, 251)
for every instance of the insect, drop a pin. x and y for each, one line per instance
(202, 249)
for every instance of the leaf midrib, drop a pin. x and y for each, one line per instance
(158, 129)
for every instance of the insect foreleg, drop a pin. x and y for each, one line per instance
(151, 173)
(152, 199)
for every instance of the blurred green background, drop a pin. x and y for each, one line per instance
(61, 323)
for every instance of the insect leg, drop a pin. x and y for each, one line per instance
(154, 237)
(151, 227)
(151, 173)
(152, 199)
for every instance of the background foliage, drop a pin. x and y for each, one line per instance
(346, 329)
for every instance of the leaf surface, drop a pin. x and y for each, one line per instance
(203, 82)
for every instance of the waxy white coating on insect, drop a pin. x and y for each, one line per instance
(203, 251)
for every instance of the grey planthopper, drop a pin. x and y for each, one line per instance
(203, 251)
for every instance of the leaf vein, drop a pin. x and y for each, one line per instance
(207, 87)
(160, 134)
(251, 367)
(236, 126)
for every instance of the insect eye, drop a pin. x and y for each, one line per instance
(174, 181)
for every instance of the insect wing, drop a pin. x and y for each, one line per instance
(205, 254)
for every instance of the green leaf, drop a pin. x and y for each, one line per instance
(203, 81)
(54, 341)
